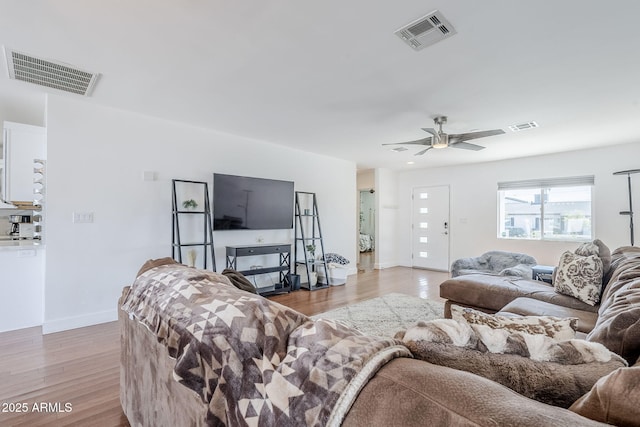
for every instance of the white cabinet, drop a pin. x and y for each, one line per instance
(22, 286)
(21, 145)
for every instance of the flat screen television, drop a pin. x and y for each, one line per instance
(245, 203)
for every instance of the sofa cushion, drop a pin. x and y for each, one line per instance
(618, 325)
(613, 399)
(524, 306)
(558, 328)
(491, 293)
(580, 277)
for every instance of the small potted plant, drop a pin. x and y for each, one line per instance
(190, 204)
(312, 253)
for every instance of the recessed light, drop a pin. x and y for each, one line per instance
(411, 163)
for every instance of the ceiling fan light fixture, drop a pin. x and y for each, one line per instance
(442, 142)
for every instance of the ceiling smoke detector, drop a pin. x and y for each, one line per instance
(426, 31)
(51, 74)
(523, 126)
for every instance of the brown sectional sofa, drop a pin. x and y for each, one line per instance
(516, 295)
(411, 392)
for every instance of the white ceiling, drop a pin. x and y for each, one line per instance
(331, 77)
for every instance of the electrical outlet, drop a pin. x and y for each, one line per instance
(82, 217)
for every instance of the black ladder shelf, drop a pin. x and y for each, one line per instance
(180, 212)
(308, 233)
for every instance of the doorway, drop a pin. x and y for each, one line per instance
(367, 230)
(430, 228)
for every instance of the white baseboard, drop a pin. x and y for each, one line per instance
(383, 265)
(352, 270)
(66, 323)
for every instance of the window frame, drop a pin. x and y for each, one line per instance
(543, 185)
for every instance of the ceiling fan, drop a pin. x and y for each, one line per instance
(443, 140)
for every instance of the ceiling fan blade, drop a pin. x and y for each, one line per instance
(466, 146)
(473, 135)
(423, 141)
(420, 153)
(432, 131)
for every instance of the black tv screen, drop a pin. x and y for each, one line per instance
(244, 203)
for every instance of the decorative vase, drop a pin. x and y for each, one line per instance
(313, 278)
(191, 258)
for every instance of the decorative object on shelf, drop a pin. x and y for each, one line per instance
(190, 204)
(39, 190)
(313, 278)
(192, 255)
(312, 254)
(630, 211)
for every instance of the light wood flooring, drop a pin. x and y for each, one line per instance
(81, 367)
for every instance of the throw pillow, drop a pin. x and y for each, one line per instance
(336, 259)
(558, 328)
(613, 399)
(152, 263)
(579, 277)
(597, 247)
(239, 280)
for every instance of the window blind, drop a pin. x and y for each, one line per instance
(572, 181)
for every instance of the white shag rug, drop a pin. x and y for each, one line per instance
(386, 315)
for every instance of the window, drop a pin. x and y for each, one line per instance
(548, 209)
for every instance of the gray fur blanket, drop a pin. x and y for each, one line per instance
(536, 366)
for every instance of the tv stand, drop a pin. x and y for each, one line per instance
(283, 267)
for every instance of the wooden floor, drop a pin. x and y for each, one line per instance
(72, 378)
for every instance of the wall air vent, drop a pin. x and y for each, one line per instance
(523, 126)
(426, 31)
(43, 72)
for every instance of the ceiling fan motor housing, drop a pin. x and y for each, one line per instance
(441, 142)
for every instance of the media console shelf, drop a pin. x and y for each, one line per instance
(283, 267)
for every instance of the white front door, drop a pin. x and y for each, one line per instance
(431, 227)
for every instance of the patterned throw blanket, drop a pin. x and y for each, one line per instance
(251, 360)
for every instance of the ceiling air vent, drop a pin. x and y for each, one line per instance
(426, 31)
(43, 72)
(523, 126)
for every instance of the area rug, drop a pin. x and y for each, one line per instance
(386, 315)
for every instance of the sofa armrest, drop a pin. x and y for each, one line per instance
(410, 392)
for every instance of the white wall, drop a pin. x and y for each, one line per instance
(386, 185)
(474, 200)
(96, 158)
